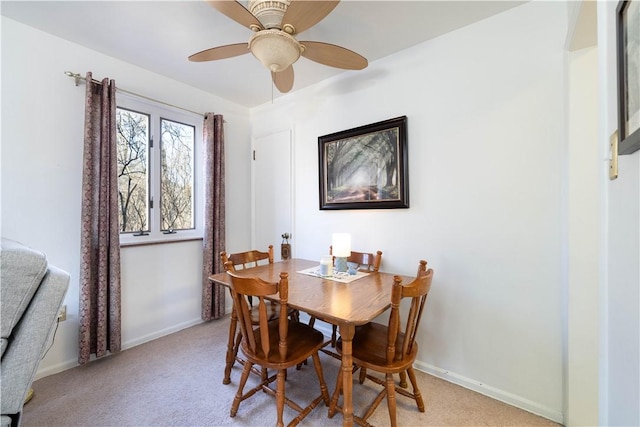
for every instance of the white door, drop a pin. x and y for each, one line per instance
(271, 190)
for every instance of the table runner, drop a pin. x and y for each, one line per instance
(337, 277)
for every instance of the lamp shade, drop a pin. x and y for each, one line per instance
(276, 49)
(341, 245)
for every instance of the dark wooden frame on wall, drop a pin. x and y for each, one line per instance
(365, 167)
(628, 142)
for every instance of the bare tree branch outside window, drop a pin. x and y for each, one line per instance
(133, 192)
(177, 166)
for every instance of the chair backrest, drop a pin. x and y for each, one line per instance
(417, 290)
(366, 261)
(246, 259)
(242, 288)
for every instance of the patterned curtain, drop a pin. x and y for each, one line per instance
(214, 214)
(99, 313)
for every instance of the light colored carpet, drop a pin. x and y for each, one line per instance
(177, 381)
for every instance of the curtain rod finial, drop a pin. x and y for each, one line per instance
(76, 76)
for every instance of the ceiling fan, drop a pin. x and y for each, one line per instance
(275, 23)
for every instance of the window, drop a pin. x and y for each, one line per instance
(176, 176)
(158, 149)
(133, 189)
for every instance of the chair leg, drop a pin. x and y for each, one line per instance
(280, 396)
(403, 379)
(232, 350)
(323, 385)
(334, 336)
(312, 321)
(363, 375)
(243, 381)
(236, 346)
(336, 395)
(391, 399)
(416, 391)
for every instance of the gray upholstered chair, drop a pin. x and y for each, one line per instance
(31, 294)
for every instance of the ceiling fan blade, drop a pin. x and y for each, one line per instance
(284, 79)
(220, 52)
(333, 56)
(237, 12)
(304, 14)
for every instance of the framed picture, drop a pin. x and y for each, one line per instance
(365, 167)
(628, 61)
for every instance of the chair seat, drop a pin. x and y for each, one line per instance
(370, 349)
(302, 339)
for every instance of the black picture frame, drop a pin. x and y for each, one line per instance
(628, 64)
(365, 167)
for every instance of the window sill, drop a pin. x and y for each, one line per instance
(160, 241)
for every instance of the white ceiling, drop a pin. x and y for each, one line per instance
(160, 35)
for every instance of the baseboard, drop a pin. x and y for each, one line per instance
(161, 333)
(41, 373)
(492, 392)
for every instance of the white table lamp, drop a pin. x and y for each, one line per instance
(341, 249)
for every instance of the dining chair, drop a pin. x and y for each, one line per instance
(366, 262)
(247, 259)
(276, 344)
(234, 262)
(389, 350)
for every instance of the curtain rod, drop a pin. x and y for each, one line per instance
(77, 77)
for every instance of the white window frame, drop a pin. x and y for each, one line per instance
(158, 111)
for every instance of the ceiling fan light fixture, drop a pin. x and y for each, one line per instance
(275, 49)
(269, 12)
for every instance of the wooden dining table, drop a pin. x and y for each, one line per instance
(344, 304)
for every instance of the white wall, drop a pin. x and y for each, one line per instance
(485, 107)
(42, 137)
(620, 279)
(582, 172)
